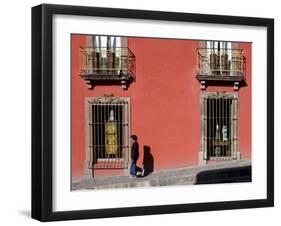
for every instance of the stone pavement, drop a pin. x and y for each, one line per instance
(223, 172)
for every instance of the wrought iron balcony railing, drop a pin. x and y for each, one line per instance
(107, 65)
(224, 65)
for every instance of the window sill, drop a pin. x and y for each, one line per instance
(118, 163)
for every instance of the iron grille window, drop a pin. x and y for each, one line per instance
(219, 126)
(108, 132)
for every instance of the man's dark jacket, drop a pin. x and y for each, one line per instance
(135, 151)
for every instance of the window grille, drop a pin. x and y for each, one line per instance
(219, 127)
(108, 133)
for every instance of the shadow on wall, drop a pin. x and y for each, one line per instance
(148, 160)
(227, 175)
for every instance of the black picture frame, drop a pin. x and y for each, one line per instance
(42, 106)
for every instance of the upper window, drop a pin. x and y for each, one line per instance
(107, 53)
(220, 60)
(107, 59)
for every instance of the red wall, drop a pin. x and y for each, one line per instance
(77, 108)
(245, 109)
(165, 103)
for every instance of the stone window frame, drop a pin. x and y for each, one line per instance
(88, 168)
(203, 127)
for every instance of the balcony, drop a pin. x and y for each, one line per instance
(107, 66)
(223, 67)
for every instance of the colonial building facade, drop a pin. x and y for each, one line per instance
(188, 101)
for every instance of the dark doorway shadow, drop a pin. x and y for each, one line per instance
(148, 160)
(227, 175)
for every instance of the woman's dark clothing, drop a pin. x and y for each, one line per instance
(134, 158)
(135, 151)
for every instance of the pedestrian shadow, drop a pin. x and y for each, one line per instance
(148, 160)
(227, 175)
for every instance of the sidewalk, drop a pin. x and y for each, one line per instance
(230, 171)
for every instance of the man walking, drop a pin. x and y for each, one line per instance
(134, 155)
